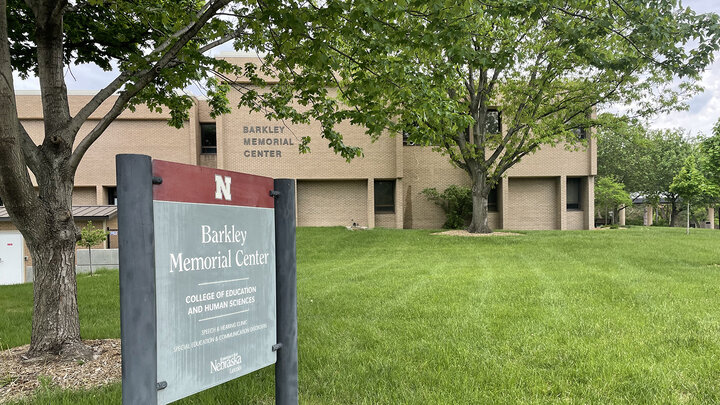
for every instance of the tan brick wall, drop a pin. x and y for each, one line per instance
(424, 168)
(85, 196)
(551, 161)
(208, 160)
(332, 202)
(415, 168)
(385, 220)
(575, 220)
(532, 204)
(321, 163)
(30, 108)
(204, 111)
(151, 137)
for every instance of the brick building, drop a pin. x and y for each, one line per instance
(551, 189)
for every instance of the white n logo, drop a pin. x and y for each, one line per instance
(222, 187)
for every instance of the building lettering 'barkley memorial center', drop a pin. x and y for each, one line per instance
(551, 189)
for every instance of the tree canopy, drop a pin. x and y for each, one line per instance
(692, 186)
(645, 161)
(437, 71)
(710, 155)
(610, 195)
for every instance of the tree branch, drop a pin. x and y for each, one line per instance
(183, 36)
(30, 150)
(16, 148)
(97, 100)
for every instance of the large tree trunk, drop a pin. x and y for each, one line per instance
(480, 193)
(674, 213)
(55, 322)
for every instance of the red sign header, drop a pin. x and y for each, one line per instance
(196, 184)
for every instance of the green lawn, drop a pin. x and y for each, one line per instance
(400, 316)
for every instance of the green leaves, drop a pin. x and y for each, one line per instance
(710, 155)
(644, 161)
(91, 236)
(610, 194)
(437, 64)
(432, 70)
(457, 203)
(693, 186)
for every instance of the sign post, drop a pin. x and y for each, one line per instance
(198, 265)
(138, 320)
(286, 369)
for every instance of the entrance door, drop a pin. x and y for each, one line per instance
(11, 258)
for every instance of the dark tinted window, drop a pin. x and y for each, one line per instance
(406, 136)
(384, 195)
(112, 195)
(580, 133)
(493, 200)
(492, 122)
(573, 193)
(208, 138)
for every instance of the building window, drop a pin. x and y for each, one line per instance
(573, 193)
(384, 196)
(493, 200)
(112, 195)
(580, 133)
(208, 138)
(492, 122)
(406, 135)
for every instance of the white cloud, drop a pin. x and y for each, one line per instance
(704, 108)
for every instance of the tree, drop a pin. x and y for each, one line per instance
(667, 152)
(91, 236)
(710, 159)
(610, 195)
(545, 65)
(622, 153)
(157, 47)
(692, 186)
(645, 161)
(710, 155)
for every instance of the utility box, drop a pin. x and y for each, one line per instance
(12, 266)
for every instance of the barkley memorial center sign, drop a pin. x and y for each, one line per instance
(198, 267)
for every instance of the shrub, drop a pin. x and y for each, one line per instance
(456, 201)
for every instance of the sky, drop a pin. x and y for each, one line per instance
(704, 108)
